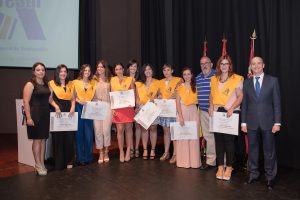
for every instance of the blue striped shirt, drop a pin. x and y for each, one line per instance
(203, 88)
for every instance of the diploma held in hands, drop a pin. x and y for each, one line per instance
(167, 106)
(186, 132)
(122, 99)
(220, 123)
(63, 123)
(95, 110)
(147, 114)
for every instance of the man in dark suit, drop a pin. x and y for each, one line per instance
(261, 119)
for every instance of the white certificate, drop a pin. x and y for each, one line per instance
(167, 106)
(186, 132)
(147, 114)
(95, 110)
(122, 99)
(63, 123)
(220, 123)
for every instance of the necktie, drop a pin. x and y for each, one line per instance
(257, 86)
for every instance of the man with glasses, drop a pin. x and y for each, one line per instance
(203, 87)
(261, 118)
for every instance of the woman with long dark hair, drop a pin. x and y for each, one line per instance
(188, 151)
(123, 117)
(36, 99)
(148, 91)
(134, 72)
(63, 95)
(85, 87)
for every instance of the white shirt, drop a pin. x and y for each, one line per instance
(260, 80)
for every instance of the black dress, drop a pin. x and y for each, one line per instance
(40, 112)
(63, 142)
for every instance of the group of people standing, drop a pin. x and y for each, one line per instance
(219, 90)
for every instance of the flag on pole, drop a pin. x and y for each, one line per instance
(224, 48)
(204, 47)
(252, 38)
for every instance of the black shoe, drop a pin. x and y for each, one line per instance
(206, 167)
(270, 184)
(251, 180)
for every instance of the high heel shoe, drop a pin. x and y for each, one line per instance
(173, 159)
(152, 154)
(145, 154)
(220, 172)
(165, 156)
(121, 156)
(137, 153)
(128, 155)
(101, 157)
(40, 171)
(106, 157)
(131, 153)
(227, 173)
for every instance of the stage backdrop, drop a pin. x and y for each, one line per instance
(39, 30)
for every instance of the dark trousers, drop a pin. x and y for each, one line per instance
(63, 149)
(270, 159)
(225, 144)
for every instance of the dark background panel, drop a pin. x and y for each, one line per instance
(277, 25)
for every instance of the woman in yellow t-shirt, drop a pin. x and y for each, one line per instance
(188, 151)
(167, 88)
(147, 90)
(133, 71)
(85, 88)
(226, 96)
(123, 117)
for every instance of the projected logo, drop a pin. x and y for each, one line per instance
(29, 21)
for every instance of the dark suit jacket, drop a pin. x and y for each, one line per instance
(262, 111)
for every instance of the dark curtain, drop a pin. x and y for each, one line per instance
(153, 33)
(277, 24)
(87, 33)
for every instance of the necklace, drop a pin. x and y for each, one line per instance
(223, 81)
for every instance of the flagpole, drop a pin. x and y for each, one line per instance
(253, 37)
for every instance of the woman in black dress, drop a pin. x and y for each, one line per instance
(62, 91)
(36, 98)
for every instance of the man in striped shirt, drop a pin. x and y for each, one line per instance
(203, 87)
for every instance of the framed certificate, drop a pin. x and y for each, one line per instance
(95, 110)
(220, 123)
(147, 114)
(122, 99)
(63, 123)
(186, 132)
(167, 106)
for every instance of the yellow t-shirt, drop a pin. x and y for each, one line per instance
(60, 92)
(147, 94)
(166, 89)
(220, 97)
(85, 94)
(187, 96)
(117, 85)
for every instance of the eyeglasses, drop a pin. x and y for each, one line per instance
(204, 64)
(224, 64)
